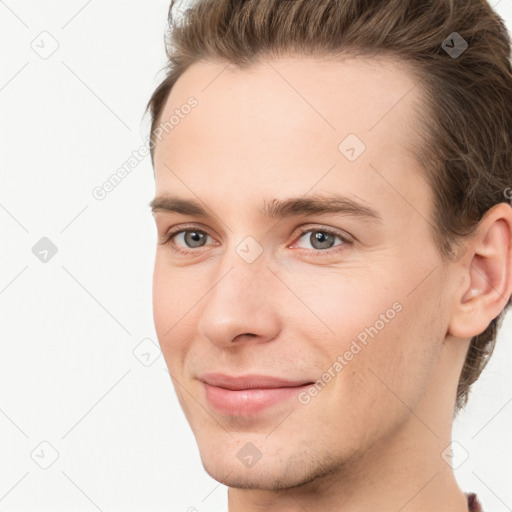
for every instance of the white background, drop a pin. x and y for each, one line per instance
(69, 327)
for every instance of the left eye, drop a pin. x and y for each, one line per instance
(321, 239)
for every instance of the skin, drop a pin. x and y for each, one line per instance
(375, 433)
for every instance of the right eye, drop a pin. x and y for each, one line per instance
(186, 241)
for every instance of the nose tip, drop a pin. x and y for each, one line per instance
(240, 306)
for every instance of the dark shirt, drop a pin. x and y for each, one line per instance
(473, 503)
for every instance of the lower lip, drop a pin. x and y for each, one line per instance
(246, 402)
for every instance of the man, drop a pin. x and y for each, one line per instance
(334, 235)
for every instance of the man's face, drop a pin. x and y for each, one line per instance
(352, 300)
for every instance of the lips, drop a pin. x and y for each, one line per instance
(249, 394)
(250, 381)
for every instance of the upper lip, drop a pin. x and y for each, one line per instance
(250, 381)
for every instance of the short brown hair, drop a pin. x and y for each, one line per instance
(466, 130)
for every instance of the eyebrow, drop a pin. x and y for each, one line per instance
(275, 209)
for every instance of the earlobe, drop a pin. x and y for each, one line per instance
(489, 271)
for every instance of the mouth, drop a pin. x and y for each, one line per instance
(250, 394)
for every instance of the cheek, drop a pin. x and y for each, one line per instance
(398, 358)
(173, 313)
(164, 300)
(175, 291)
(375, 326)
(342, 303)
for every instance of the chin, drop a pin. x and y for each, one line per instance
(263, 478)
(270, 473)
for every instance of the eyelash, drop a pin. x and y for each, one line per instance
(315, 252)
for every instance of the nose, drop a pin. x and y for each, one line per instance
(242, 305)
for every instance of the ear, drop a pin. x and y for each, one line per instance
(487, 267)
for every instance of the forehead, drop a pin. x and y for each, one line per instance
(286, 123)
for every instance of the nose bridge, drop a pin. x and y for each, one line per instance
(242, 280)
(243, 266)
